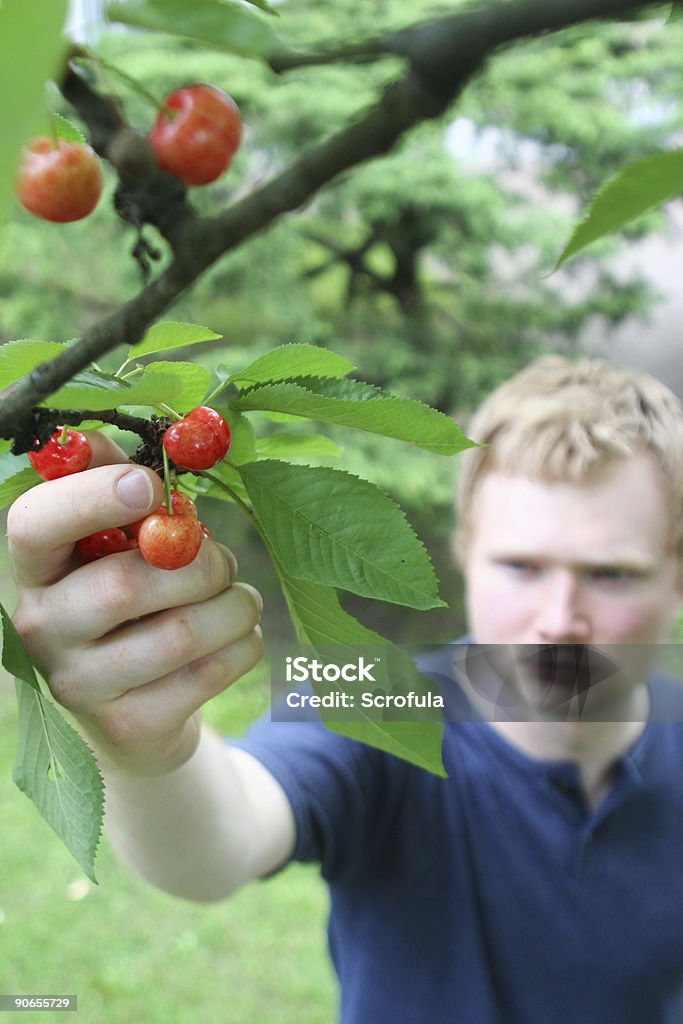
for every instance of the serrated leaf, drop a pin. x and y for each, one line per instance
(287, 361)
(17, 358)
(164, 337)
(352, 403)
(319, 620)
(216, 23)
(333, 528)
(296, 445)
(54, 766)
(194, 379)
(66, 130)
(56, 769)
(640, 186)
(31, 48)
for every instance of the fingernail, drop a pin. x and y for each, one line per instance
(135, 489)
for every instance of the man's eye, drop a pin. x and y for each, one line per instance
(609, 575)
(519, 567)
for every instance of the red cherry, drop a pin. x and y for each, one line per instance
(61, 182)
(196, 134)
(169, 542)
(204, 414)
(182, 504)
(60, 458)
(198, 441)
(104, 542)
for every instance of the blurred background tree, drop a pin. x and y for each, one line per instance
(429, 268)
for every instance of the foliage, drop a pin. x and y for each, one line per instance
(324, 528)
(640, 186)
(423, 263)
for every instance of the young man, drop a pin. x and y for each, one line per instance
(541, 880)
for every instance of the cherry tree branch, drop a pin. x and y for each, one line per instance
(443, 55)
(493, 24)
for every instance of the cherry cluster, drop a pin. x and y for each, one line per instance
(170, 537)
(194, 138)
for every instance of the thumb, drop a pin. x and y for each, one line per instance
(46, 521)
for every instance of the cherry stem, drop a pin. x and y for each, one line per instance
(54, 134)
(64, 436)
(167, 482)
(233, 494)
(168, 411)
(216, 391)
(134, 84)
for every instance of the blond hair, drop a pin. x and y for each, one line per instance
(562, 420)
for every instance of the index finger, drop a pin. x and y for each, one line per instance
(45, 522)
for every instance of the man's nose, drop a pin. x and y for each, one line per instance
(562, 616)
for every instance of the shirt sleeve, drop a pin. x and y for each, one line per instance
(344, 794)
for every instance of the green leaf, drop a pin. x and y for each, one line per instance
(104, 391)
(16, 477)
(153, 389)
(352, 403)
(319, 620)
(216, 23)
(293, 445)
(66, 130)
(54, 767)
(194, 379)
(17, 358)
(243, 443)
(640, 186)
(169, 335)
(89, 389)
(287, 361)
(31, 46)
(333, 528)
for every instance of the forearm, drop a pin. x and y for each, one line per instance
(204, 829)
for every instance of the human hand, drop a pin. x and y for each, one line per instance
(130, 650)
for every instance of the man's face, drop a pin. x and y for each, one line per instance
(572, 564)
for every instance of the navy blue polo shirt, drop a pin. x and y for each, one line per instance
(496, 895)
